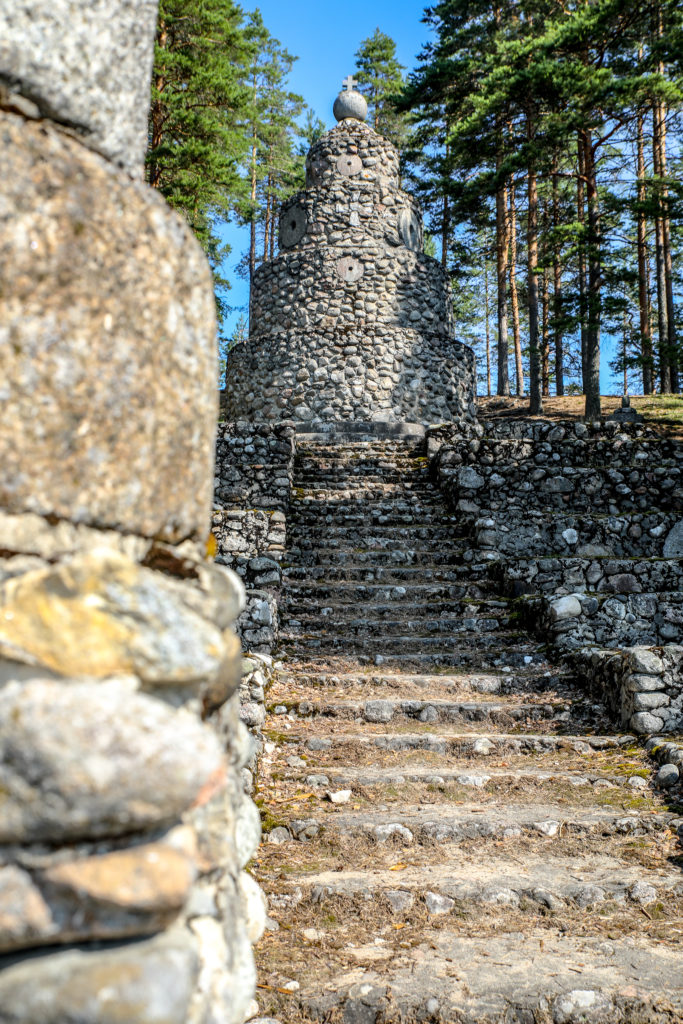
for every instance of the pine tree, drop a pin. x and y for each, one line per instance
(273, 164)
(380, 77)
(197, 120)
(197, 123)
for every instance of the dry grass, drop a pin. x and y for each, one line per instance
(663, 412)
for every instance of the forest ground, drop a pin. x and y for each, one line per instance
(665, 412)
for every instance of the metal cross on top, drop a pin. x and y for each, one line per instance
(349, 83)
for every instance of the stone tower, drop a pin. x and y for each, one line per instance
(351, 321)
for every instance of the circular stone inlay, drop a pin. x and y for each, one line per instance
(349, 269)
(349, 164)
(292, 226)
(410, 230)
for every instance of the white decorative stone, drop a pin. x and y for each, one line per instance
(568, 607)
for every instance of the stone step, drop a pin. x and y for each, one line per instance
(410, 684)
(310, 612)
(348, 513)
(474, 636)
(353, 557)
(545, 880)
(375, 593)
(331, 629)
(435, 710)
(398, 538)
(445, 742)
(407, 472)
(404, 479)
(391, 575)
(514, 654)
(362, 491)
(345, 436)
(452, 971)
(585, 783)
(434, 823)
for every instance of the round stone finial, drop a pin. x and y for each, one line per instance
(350, 102)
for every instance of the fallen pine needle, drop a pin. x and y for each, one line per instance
(272, 988)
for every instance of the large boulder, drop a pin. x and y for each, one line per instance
(107, 370)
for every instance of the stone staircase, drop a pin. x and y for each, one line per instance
(454, 832)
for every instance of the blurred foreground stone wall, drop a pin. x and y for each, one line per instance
(124, 826)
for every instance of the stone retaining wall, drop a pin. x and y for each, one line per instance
(251, 542)
(252, 491)
(253, 465)
(643, 687)
(622, 620)
(475, 478)
(585, 520)
(559, 576)
(635, 535)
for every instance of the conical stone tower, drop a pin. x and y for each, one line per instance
(351, 321)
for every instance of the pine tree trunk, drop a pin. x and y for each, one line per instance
(252, 231)
(545, 336)
(592, 411)
(156, 114)
(557, 289)
(488, 329)
(514, 301)
(662, 311)
(266, 222)
(445, 230)
(643, 297)
(535, 400)
(624, 345)
(581, 218)
(503, 387)
(668, 270)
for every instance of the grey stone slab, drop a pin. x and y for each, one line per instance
(85, 65)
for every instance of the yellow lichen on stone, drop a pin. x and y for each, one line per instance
(101, 614)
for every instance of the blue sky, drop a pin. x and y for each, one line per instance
(325, 36)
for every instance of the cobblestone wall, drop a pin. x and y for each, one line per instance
(253, 465)
(124, 825)
(643, 686)
(582, 524)
(351, 320)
